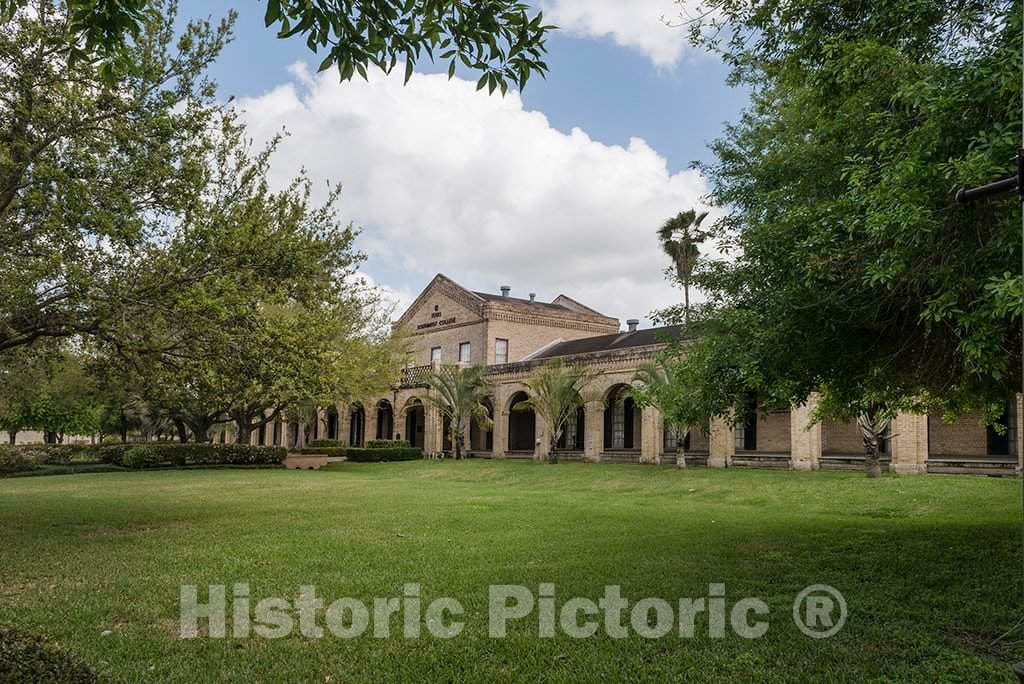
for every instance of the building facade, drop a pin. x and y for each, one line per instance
(511, 336)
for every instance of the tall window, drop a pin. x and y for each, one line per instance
(435, 355)
(465, 350)
(500, 351)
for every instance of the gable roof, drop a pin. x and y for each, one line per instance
(465, 297)
(518, 302)
(477, 301)
(624, 340)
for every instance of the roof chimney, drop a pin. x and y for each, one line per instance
(505, 289)
(533, 296)
(632, 323)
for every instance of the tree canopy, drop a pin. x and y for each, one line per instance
(850, 269)
(503, 40)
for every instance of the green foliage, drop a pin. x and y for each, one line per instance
(191, 454)
(459, 394)
(326, 443)
(383, 455)
(499, 38)
(852, 270)
(141, 456)
(680, 239)
(325, 451)
(28, 658)
(387, 444)
(556, 390)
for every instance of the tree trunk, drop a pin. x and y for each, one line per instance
(243, 428)
(680, 456)
(686, 303)
(179, 425)
(12, 436)
(871, 428)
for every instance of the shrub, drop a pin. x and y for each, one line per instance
(199, 454)
(142, 456)
(330, 452)
(384, 455)
(326, 444)
(12, 460)
(25, 658)
(388, 444)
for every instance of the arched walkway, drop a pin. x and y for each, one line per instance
(522, 425)
(385, 420)
(332, 423)
(415, 423)
(357, 425)
(622, 420)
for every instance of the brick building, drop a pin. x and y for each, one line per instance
(448, 323)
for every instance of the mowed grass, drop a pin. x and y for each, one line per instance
(930, 568)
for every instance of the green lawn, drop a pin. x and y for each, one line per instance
(930, 567)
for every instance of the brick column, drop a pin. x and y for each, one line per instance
(805, 437)
(344, 422)
(433, 431)
(370, 424)
(722, 444)
(500, 424)
(593, 428)
(910, 444)
(649, 420)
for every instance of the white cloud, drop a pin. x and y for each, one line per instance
(636, 24)
(446, 179)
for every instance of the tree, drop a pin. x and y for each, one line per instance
(459, 394)
(852, 270)
(498, 38)
(656, 385)
(555, 392)
(95, 177)
(680, 239)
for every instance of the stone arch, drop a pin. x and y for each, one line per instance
(415, 417)
(522, 424)
(385, 420)
(333, 421)
(623, 424)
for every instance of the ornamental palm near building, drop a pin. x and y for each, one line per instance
(556, 392)
(459, 393)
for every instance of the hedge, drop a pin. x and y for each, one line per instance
(27, 456)
(388, 444)
(381, 455)
(191, 454)
(326, 444)
(330, 452)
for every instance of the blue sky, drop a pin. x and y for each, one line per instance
(616, 75)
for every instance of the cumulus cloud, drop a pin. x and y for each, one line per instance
(443, 178)
(637, 24)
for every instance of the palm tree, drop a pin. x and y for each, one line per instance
(555, 395)
(873, 423)
(656, 382)
(459, 394)
(680, 237)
